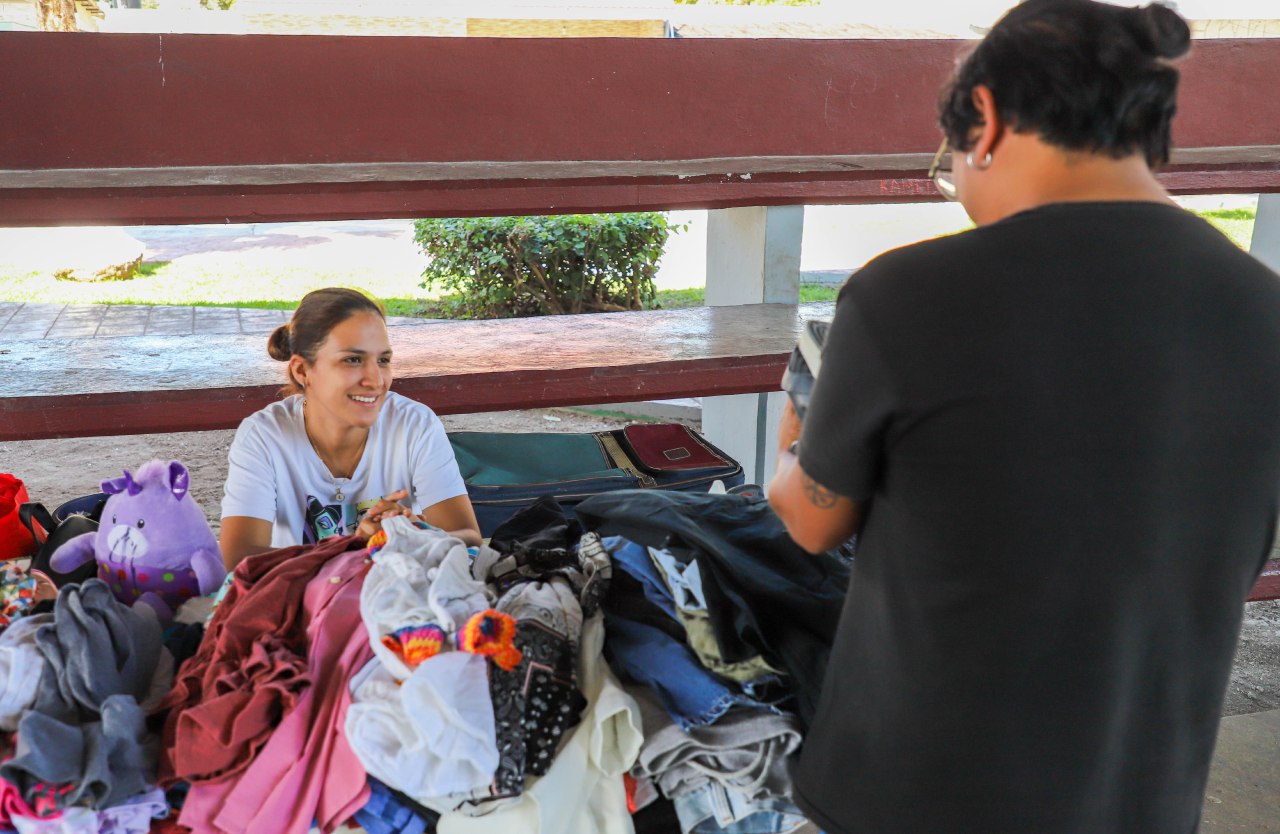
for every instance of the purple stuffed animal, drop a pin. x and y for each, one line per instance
(153, 544)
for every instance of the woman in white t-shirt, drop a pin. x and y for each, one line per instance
(341, 452)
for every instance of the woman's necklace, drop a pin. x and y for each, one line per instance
(337, 488)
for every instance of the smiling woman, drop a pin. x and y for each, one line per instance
(340, 452)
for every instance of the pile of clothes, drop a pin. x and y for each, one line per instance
(77, 685)
(720, 627)
(663, 653)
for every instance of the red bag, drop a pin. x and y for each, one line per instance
(670, 447)
(16, 541)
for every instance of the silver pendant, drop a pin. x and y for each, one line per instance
(338, 496)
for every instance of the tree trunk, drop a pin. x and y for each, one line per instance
(57, 15)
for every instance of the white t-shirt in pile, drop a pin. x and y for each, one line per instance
(276, 475)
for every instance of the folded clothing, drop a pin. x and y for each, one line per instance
(745, 751)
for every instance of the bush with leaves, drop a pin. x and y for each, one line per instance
(502, 267)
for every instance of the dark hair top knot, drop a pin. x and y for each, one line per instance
(280, 344)
(1082, 75)
(1161, 31)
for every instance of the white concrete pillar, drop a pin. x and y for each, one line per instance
(1265, 245)
(753, 257)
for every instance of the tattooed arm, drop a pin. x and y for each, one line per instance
(817, 518)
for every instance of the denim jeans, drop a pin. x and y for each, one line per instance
(634, 559)
(712, 809)
(690, 694)
(387, 812)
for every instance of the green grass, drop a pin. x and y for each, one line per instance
(694, 296)
(1236, 224)
(228, 280)
(443, 306)
(216, 283)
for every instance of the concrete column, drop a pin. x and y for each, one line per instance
(753, 257)
(1265, 245)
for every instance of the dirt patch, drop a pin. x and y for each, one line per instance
(1255, 677)
(56, 470)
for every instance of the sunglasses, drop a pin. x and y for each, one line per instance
(942, 178)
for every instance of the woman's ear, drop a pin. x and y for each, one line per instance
(990, 128)
(298, 370)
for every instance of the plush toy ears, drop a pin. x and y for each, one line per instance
(179, 479)
(115, 486)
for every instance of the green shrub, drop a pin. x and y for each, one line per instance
(528, 266)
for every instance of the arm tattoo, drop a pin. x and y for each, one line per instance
(818, 495)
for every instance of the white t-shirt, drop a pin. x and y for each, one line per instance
(276, 475)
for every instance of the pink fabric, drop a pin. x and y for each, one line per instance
(306, 770)
(13, 804)
(264, 605)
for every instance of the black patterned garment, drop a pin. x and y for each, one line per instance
(534, 705)
(548, 582)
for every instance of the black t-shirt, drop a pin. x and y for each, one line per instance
(1065, 430)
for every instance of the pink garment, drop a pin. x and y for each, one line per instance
(306, 770)
(12, 804)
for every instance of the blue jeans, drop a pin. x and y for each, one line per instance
(712, 809)
(690, 694)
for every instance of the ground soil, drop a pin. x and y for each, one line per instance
(57, 470)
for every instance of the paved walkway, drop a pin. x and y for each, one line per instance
(97, 321)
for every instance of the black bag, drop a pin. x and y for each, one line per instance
(506, 472)
(77, 516)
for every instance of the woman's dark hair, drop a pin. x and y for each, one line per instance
(1084, 76)
(319, 312)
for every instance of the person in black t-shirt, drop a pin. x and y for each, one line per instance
(1058, 439)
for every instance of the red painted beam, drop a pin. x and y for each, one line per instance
(138, 206)
(198, 128)
(166, 384)
(1268, 584)
(151, 100)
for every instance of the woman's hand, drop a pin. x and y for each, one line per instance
(388, 506)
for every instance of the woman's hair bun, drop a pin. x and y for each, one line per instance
(1163, 30)
(279, 345)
